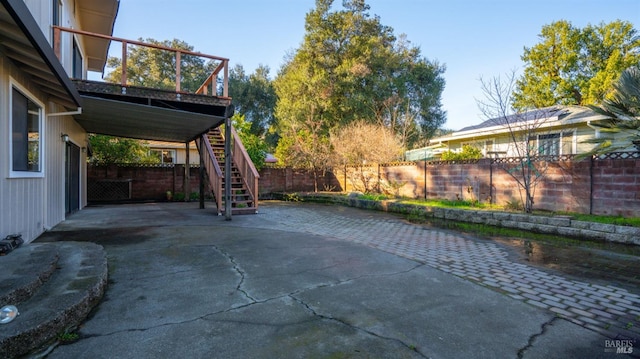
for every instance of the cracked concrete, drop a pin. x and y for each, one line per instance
(255, 287)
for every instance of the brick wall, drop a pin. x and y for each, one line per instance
(608, 186)
(274, 180)
(147, 183)
(616, 187)
(565, 185)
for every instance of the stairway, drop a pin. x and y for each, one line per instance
(243, 201)
(54, 286)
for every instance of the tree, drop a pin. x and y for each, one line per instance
(572, 66)
(359, 143)
(350, 68)
(255, 146)
(155, 68)
(529, 163)
(109, 150)
(254, 97)
(622, 111)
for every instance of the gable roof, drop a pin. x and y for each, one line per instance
(548, 117)
(547, 112)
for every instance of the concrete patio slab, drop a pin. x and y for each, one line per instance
(185, 283)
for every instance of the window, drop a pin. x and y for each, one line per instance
(77, 61)
(26, 133)
(486, 147)
(165, 156)
(549, 145)
(555, 144)
(56, 11)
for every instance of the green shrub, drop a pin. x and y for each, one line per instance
(468, 153)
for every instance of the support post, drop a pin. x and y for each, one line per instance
(187, 173)
(425, 177)
(227, 162)
(201, 172)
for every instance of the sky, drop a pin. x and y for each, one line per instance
(473, 38)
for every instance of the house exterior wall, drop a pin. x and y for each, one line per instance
(33, 204)
(56, 154)
(503, 142)
(23, 199)
(42, 11)
(179, 150)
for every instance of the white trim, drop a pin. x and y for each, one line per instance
(26, 174)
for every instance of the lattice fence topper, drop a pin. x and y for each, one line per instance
(511, 160)
(618, 156)
(109, 190)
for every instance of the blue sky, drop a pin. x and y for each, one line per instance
(473, 38)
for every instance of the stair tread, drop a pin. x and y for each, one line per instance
(63, 301)
(19, 285)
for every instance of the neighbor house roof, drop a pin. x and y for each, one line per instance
(551, 116)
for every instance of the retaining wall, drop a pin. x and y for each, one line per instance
(558, 225)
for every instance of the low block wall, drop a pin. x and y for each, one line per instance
(562, 225)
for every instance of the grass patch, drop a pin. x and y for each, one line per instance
(373, 197)
(511, 208)
(68, 337)
(490, 232)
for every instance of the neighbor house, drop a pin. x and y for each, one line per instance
(171, 153)
(47, 108)
(553, 131)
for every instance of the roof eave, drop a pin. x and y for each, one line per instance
(22, 17)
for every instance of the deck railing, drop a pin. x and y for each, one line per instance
(244, 164)
(212, 169)
(210, 82)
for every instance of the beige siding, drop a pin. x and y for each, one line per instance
(42, 11)
(23, 199)
(56, 192)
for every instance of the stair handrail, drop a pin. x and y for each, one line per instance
(246, 167)
(213, 170)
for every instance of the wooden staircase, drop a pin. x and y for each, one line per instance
(244, 176)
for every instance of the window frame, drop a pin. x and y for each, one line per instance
(14, 85)
(162, 151)
(77, 61)
(482, 145)
(560, 141)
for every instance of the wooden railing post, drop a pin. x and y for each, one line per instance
(225, 83)
(123, 80)
(57, 43)
(178, 62)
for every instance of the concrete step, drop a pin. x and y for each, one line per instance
(54, 286)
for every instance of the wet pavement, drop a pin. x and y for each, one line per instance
(323, 279)
(588, 294)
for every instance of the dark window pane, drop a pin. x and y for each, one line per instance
(19, 133)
